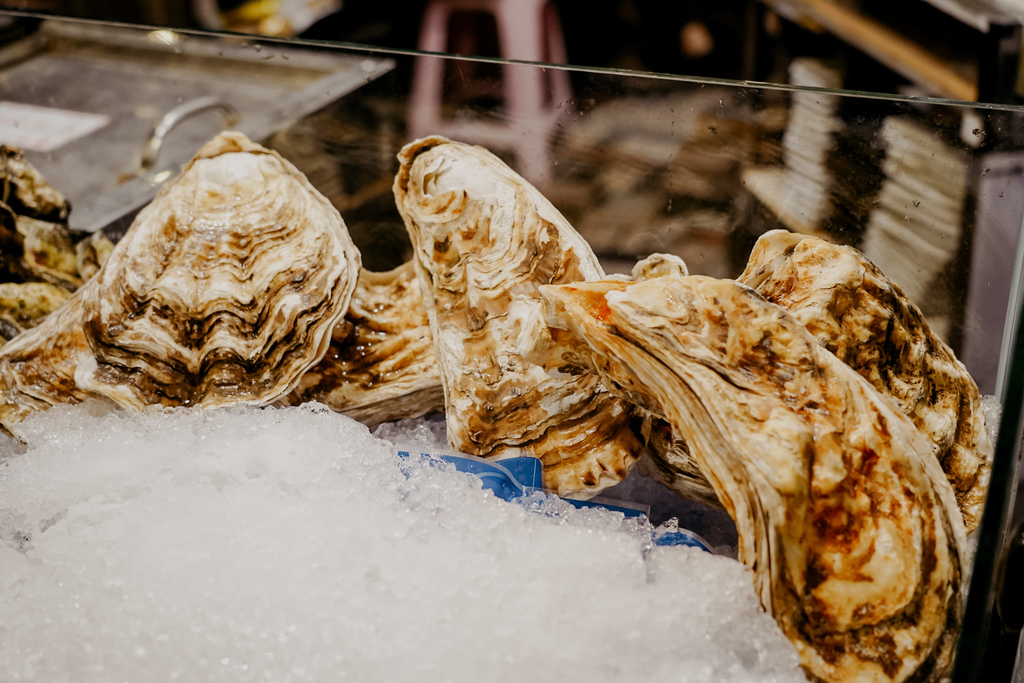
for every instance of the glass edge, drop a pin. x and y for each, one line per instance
(681, 78)
(975, 631)
(1014, 309)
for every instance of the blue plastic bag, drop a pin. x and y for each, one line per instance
(513, 478)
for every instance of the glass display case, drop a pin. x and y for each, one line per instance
(931, 191)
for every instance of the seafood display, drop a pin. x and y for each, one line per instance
(41, 259)
(224, 291)
(843, 513)
(484, 242)
(807, 397)
(863, 319)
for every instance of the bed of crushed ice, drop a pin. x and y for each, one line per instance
(294, 545)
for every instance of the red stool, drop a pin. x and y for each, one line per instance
(535, 98)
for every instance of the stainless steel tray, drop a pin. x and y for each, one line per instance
(137, 77)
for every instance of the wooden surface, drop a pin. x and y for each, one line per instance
(892, 49)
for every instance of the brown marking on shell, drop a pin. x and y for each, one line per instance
(844, 516)
(224, 290)
(381, 364)
(863, 318)
(483, 241)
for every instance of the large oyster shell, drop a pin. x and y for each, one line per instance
(381, 364)
(844, 515)
(483, 241)
(859, 315)
(224, 290)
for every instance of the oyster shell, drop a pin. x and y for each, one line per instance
(49, 253)
(659, 265)
(91, 253)
(669, 462)
(381, 364)
(667, 459)
(484, 240)
(224, 290)
(25, 305)
(844, 516)
(36, 244)
(26, 192)
(859, 315)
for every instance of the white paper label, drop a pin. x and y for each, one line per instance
(43, 129)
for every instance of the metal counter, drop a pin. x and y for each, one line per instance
(128, 87)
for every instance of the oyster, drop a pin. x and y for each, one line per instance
(26, 192)
(484, 240)
(91, 253)
(844, 516)
(36, 245)
(859, 315)
(658, 265)
(35, 242)
(381, 364)
(224, 290)
(669, 462)
(49, 253)
(667, 459)
(25, 305)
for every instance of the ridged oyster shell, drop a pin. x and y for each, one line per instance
(859, 315)
(224, 290)
(844, 515)
(484, 240)
(667, 459)
(381, 364)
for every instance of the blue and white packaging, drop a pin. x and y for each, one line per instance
(512, 479)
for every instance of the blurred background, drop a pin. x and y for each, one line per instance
(950, 48)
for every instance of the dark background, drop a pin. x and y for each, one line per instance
(642, 35)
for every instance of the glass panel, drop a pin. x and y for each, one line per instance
(931, 191)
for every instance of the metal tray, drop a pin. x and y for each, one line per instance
(157, 85)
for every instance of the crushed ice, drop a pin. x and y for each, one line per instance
(293, 545)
